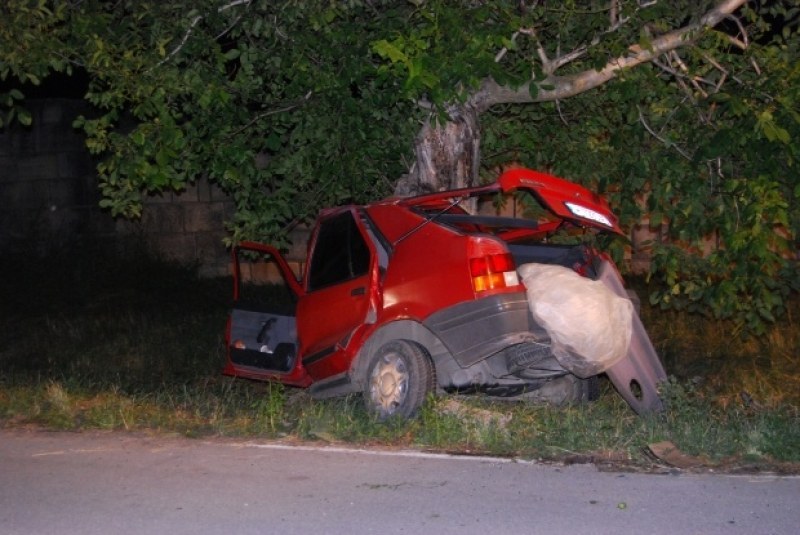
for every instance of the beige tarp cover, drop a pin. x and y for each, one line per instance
(589, 325)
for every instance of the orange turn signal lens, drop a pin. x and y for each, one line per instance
(493, 271)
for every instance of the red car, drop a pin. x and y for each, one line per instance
(409, 296)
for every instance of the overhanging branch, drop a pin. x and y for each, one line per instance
(492, 93)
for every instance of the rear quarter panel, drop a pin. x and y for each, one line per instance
(428, 270)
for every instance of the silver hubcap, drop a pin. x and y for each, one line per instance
(389, 383)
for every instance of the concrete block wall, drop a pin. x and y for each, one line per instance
(49, 197)
(186, 226)
(48, 191)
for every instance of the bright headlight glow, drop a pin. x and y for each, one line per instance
(588, 213)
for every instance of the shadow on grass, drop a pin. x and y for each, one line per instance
(129, 321)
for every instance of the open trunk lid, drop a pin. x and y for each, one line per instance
(566, 200)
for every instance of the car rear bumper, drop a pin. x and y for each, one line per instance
(474, 330)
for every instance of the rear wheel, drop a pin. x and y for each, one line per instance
(399, 377)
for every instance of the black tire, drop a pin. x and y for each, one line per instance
(566, 390)
(399, 378)
(590, 389)
(583, 390)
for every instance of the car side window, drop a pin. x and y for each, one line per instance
(340, 253)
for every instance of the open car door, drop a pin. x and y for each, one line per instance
(261, 338)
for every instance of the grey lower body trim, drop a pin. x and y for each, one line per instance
(337, 385)
(474, 330)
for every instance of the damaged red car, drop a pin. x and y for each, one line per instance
(494, 289)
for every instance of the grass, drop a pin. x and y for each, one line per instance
(97, 341)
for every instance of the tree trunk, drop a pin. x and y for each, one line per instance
(447, 154)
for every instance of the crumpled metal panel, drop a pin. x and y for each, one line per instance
(638, 375)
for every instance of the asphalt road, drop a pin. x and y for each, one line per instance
(107, 483)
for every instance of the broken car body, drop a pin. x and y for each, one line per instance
(407, 296)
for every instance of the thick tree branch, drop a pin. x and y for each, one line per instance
(549, 66)
(492, 93)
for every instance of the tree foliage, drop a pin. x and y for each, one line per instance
(684, 112)
(276, 102)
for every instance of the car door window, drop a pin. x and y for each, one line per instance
(340, 253)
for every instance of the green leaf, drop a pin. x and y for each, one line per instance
(388, 50)
(533, 90)
(645, 42)
(656, 219)
(138, 137)
(771, 130)
(273, 142)
(24, 116)
(510, 44)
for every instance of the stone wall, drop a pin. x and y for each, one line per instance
(187, 226)
(48, 191)
(49, 197)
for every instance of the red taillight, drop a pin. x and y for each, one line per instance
(493, 271)
(495, 263)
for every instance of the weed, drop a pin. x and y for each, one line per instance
(269, 409)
